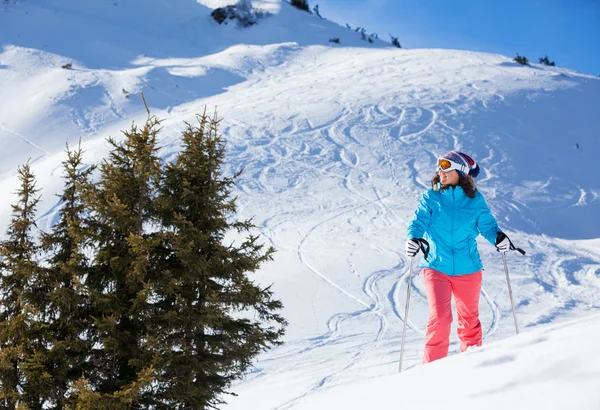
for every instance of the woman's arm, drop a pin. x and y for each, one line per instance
(486, 223)
(420, 222)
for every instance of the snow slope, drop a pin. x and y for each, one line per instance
(554, 367)
(338, 142)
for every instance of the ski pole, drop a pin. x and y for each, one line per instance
(406, 313)
(499, 237)
(424, 247)
(510, 292)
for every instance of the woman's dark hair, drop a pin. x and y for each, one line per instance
(467, 184)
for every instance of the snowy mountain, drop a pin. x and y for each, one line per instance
(338, 141)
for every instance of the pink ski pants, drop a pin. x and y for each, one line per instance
(440, 288)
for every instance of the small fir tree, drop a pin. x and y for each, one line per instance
(65, 302)
(546, 61)
(363, 34)
(202, 341)
(521, 60)
(122, 206)
(316, 11)
(22, 379)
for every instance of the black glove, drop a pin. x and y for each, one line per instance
(416, 245)
(412, 247)
(503, 244)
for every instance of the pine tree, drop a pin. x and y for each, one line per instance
(316, 11)
(521, 60)
(546, 61)
(202, 340)
(65, 303)
(21, 348)
(122, 212)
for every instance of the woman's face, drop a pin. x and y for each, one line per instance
(449, 178)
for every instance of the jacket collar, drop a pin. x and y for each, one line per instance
(457, 190)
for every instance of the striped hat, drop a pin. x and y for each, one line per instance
(463, 159)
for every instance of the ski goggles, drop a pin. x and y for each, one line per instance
(446, 165)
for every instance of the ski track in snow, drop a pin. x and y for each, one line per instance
(24, 138)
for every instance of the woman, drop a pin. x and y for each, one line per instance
(449, 217)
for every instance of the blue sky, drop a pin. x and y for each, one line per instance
(568, 31)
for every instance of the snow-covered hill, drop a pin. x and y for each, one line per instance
(338, 142)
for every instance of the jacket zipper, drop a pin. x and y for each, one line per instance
(452, 232)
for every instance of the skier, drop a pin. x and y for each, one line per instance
(449, 217)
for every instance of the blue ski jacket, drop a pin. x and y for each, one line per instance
(451, 221)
